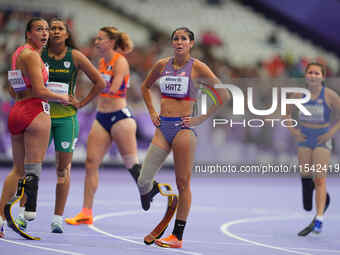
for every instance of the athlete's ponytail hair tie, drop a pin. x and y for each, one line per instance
(122, 40)
(125, 43)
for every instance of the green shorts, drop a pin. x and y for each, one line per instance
(64, 132)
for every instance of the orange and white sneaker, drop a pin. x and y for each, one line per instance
(80, 218)
(169, 242)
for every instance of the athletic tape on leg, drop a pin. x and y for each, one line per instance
(63, 174)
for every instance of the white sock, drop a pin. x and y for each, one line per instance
(2, 225)
(319, 218)
(21, 211)
(57, 219)
(2, 222)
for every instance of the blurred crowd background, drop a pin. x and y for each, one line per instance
(238, 39)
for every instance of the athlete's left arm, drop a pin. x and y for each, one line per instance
(83, 63)
(203, 72)
(333, 100)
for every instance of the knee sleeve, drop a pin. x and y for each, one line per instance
(151, 164)
(130, 160)
(33, 169)
(63, 174)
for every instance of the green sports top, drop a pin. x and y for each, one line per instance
(62, 79)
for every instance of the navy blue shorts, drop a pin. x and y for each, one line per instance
(108, 119)
(170, 126)
(312, 135)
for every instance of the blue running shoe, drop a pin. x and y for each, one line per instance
(317, 226)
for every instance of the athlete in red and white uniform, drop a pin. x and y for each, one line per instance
(29, 120)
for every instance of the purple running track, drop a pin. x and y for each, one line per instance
(229, 215)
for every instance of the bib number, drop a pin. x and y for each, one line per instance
(46, 107)
(58, 88)
(174, 85)
(16, 80)
(317, 112)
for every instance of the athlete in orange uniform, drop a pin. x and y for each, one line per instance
(114, 121)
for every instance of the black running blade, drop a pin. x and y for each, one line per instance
(10, 221)
(307, 230)
(14, 226)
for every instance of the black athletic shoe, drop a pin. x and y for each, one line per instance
(147, 198)
(307, 193)
(31, 192)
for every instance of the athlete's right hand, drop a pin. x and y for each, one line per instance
(65, 99)
(298, 135)
(155, 119)
(74, 102)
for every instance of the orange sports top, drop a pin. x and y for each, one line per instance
(106, 71)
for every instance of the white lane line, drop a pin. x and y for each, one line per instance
(225, 229)
(323, 250)
(125, 213)
(41, 248)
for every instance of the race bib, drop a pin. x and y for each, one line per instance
(16, 80)
(176, 86)
(60, 88)
(317, 112)
(46, 107)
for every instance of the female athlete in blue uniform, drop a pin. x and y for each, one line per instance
(314, 140)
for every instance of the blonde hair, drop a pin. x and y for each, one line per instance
(123, 41)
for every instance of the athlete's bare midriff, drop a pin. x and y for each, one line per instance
(110, 104)
(176, 107)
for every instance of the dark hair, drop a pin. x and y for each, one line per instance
(123, 41)
(30, 24)
(187, 30)
(69, 41)
(322, 67)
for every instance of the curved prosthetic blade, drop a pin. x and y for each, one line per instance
(10, 220)
(158, 231)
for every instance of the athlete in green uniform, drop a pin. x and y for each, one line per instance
(63, 62)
